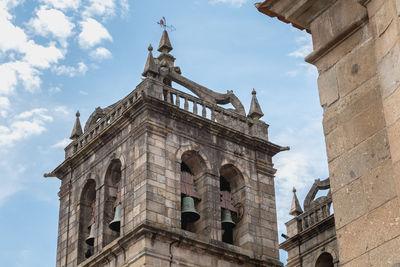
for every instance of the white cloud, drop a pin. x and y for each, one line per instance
(37, 113)
(40, 56)
(83, 92)
(61, 109)
(100, 53)
(300, 166)
(52, 22)
(305, 46)
(25, 58)
(24, 125)
(92, 33)
(100, 8)
(13, 72)
(4, 106)
(70, 71)
(236, 3)
(16, 37)
(63, 4)
(10, 183)
(54, 90)
(124, 6)
(8, 78)
(62, 143)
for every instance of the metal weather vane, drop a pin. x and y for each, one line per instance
(163, 24)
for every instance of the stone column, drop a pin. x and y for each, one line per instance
(357, 53)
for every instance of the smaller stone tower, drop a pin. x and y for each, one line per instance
(311, 237)
(166, 178)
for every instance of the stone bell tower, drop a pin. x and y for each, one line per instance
(166, 178)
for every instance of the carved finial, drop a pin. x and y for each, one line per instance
(165, 44)
(255, 109)
(77, 130)
(150, 66)
(296, 209)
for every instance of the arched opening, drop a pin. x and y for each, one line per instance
(232, 196)
(192, 168)
(324, 260)
(87, 221)
(112, 202)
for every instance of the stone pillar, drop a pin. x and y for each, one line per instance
(357, 53)
(357, 78)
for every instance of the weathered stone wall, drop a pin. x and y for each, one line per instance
(357, 53)
(357, 83)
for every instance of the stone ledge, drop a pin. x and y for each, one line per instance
(300, 13)
(308, 233)
(192, 240)
(337, 40)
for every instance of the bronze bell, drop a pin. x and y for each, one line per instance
(90, 239)
(116, 222)
(189, 213)
(227, 221)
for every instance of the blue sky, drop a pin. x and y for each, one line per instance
(59, 56)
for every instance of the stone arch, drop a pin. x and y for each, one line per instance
(324, 260)
(112, 195)
(86, 213)
(195, 150)
(327, 250)
(238, 166)
(193, 166)
(93, 176)
(114, 156)
(232, 180)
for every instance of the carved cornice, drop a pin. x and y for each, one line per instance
(265, 168)
(218, 129)
(300, 13)
(337, 40)
(191, 240)
(304, 236)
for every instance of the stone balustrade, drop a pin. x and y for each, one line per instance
(103, 123)
(206, 109)
(187, 102)
(314, 216)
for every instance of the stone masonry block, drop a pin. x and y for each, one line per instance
(350, 203)
(386, 30)
(335, 143)
(384, 17)
(328, 87)
(356, 68)
(364, 125)
(386, 255)
(389, 71)
(363, 260)
(346, 108)
(345, 12)
(394, 140)
(392, 108)
(322, 30)
(378, 185)
(370, 231)
(359, 161)
(342, 49)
